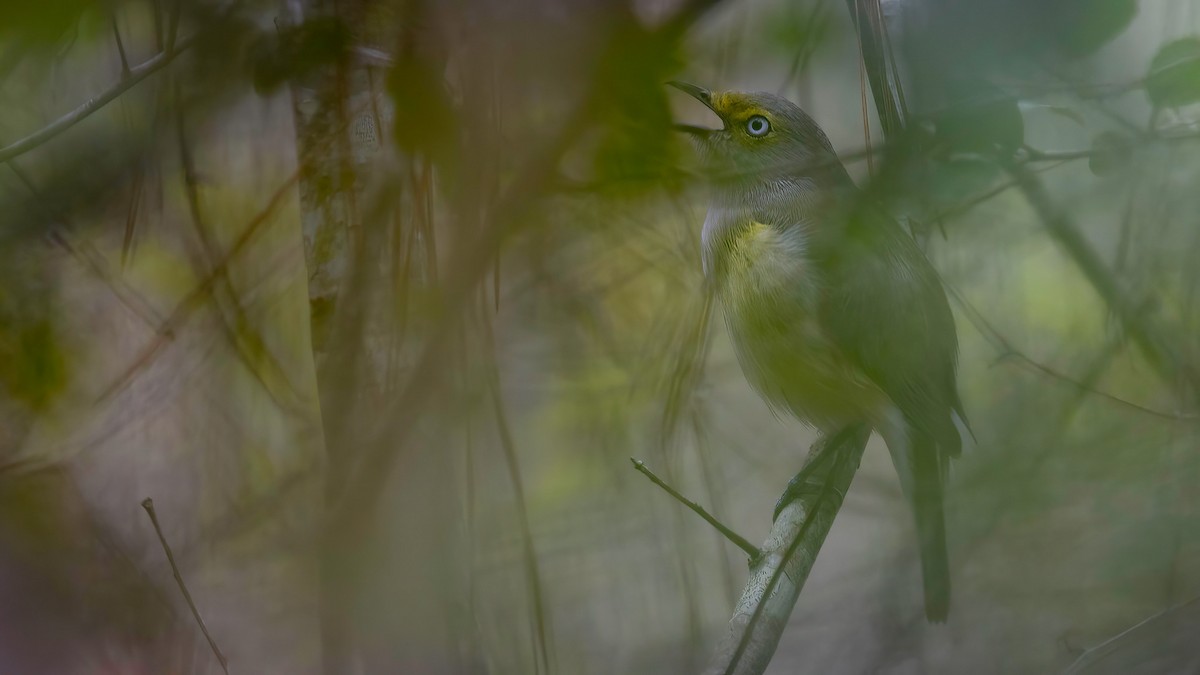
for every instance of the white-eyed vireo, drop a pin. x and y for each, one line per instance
(836, 315)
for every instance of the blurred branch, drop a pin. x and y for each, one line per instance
(88, 256)
(1008, 352)
(128, 81)
(789, 552)
(190, 302)
(194, 298)
(242, 335)
(514, 472)
(148, 505)
(1061, 227)
(733, 537)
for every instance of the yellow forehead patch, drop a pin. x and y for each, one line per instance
(736, 107)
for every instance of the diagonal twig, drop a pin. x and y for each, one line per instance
(148, 505)
(733, 537)
(789, 553)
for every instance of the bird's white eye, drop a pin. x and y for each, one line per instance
(758, 126)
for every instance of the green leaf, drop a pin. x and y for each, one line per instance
(1174, 77)
(979, 118)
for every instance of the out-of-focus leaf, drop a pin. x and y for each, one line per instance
(979, 119)
(41, 23)
(793, 27)
(32, 363)
(635, 116)
(1110, 151)
(1174, 77)
(425, 119)
(298, 50)
(36, 369)
(1080, 27)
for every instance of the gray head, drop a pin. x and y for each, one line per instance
(765, 137)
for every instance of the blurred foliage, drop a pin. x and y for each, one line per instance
(636, 149)
(43, 25)
(296, 51)
(1111, 151)
(1174, 77)
(541, 130)
(979, 117)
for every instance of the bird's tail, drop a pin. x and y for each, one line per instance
(935, 562)
(921, 460)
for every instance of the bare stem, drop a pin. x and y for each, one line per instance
(735, 538)
(148, 504)
(128, 81)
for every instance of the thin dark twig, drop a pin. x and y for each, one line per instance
(173, 29)
(238, 328)
(1094, 655)
(194, 298)
(87, 255)
(733, 537)
(971, 202)
(148, 504)
(184, 308)
(120, 46)
(1008, 351)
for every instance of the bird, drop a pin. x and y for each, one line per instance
(835, 314)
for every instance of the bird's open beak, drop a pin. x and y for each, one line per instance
(700, 94)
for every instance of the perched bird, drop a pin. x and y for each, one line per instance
(836, 315)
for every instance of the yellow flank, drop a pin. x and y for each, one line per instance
(784, 352)
(757, 261)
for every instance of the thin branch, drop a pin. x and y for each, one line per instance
(134, 76)
(733, 537)
(184, 308)
(120, 46)
(1008, 351)
(148, 504)
(1096, 655)
(87, 255)
(193, 300)
(173, 28)
(239, 330)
